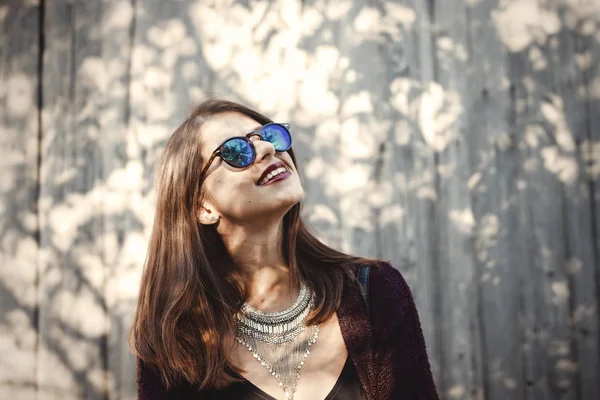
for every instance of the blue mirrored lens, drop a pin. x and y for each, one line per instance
(237, 152)
(278, 136)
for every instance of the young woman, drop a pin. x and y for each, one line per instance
(239, 301)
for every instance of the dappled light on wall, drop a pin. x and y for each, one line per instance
(458, 139)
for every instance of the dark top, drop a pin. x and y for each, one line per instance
(387, 349)
(347, 387)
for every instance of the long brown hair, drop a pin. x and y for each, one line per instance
(190, 289)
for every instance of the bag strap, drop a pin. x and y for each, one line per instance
(362, 274)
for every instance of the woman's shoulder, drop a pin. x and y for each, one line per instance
(381, 284)
(384, 276)
(387, 286)
(385, 272)
(381, 276)
(151, 385)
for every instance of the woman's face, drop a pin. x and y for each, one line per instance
(234, 193)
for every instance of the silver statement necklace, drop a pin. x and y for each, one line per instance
(280, 341)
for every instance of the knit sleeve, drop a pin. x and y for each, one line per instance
(150, 385)
(398, 338)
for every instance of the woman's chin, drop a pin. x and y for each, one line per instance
(289, 202)
(289, 194)
(282, 205)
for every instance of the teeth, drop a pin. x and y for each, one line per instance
(276, 172)
(272, 174)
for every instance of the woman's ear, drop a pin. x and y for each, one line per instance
(206, 216)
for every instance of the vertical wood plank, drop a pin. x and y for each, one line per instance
(364, 124)
(406, 197)
(566, 116)
(318, 67)
(493, 185)
(588, 63)
(19, 156)
(73, 324)
(548, 356)
(125, 210)
(168, 72)
(447, 118)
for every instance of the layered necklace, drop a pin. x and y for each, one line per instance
(280, 341)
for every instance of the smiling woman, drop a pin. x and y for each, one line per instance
(239, 300)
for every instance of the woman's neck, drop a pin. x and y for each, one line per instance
(269, 289)
(256, 251)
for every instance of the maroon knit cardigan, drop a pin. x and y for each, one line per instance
(388, 351)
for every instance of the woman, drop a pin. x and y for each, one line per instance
(238, 300)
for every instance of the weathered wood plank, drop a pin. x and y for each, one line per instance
(494, 165)
(588, 63)
(73, 324)
(566, 116)
(318, 68)
(125, 212)
(365, 123)
(315, 110)
(446, 123)
(549, 360)
(168, 71)
(19, 156)
(406, 197)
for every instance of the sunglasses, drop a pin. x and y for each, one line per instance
(239, 151)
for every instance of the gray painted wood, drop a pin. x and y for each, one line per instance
(122, 186)
(408, 171)
(73, 324)
(364, 125)
(493, 185)
(19, 150)
(548, 356)
(588, 47)
(568, 127)
(461, 354)
(316, 114)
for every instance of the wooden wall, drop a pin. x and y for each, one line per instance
(459, 139)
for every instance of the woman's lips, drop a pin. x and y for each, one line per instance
(279, 177)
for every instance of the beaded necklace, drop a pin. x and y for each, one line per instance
(280, 340)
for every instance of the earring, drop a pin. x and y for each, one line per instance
(213, 219)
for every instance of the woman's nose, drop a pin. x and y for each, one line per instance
(263, 148)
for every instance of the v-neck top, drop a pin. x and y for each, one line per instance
(347, 387)
(386, 346)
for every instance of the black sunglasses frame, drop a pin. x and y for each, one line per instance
(257, 132)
